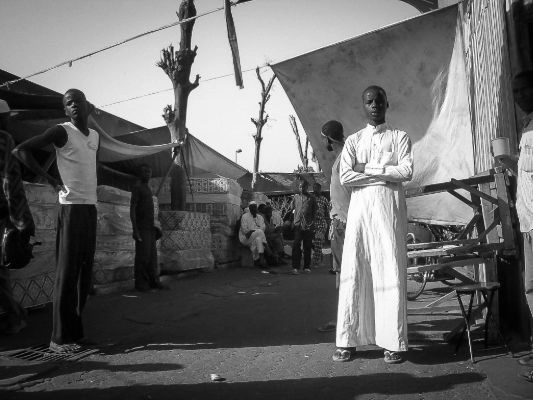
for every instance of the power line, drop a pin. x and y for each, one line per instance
(69, 62)
(168, 90)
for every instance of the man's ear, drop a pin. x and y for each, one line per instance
(387, 104)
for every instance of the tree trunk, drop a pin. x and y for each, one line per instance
(177, 65)
(258, 141)
(260, 121)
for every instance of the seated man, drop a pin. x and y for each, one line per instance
(274, 251)
(252, 234)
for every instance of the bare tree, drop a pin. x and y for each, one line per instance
(294, 126)
(303, 151)
(261, 120)
(177, 65)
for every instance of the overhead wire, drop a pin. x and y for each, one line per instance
(170, 89)
(69, 62)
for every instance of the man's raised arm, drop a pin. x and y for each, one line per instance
(56, 136)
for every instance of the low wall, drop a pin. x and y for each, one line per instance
(115, 248)
(220, 199)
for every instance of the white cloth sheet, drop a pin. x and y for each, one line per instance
(372, 293)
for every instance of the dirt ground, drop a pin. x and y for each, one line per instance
(259, 334)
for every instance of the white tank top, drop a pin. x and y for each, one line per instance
(76, 162)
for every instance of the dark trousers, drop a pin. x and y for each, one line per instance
(146, 275)
(75, 246)
(337, 231)
(305, 236)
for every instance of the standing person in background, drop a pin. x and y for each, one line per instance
(14, 211)
(274, 248)
(304, 207)
(76, 146)
(145, 233)
(523, 93)
(321, 223)
(373, 282)
(333, 131)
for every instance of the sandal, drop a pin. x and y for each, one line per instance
(343, 355)
(67, 348)
(392, 357)
(526, 361)
(528, 376)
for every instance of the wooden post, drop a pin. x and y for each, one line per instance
(260, 121)
(177, 65)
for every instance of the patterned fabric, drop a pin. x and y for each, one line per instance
(13, 203)
(322, 211)
(321, 226)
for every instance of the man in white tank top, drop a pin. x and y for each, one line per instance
(75, 146)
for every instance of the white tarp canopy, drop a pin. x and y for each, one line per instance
(420, 62)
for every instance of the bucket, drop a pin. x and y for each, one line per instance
(501, 147)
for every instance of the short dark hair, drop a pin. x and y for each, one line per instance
(374, 87)
(72, 90)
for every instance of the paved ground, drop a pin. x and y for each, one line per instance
(256, 331)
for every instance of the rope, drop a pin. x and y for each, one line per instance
(69, 62)
(168, 90)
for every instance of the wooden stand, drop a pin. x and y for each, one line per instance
(489, 232)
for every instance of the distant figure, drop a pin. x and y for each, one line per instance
(373, 282)
(333, 132)
(145, 233)
(75, 147)
(321, 223)
(304, 207)
(523, 93)
(252, 234)
(274, 252)
(14, 211)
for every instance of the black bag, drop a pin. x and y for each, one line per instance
(16, 251)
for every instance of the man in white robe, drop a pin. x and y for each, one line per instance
(252, 234)
(372, 294)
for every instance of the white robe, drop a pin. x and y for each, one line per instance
(372, 293)
(257, 240)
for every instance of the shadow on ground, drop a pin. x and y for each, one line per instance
(339, 388)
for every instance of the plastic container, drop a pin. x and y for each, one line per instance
(501, 147)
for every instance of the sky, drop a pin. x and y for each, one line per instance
(45, 33)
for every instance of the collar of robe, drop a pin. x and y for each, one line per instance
(378, 128)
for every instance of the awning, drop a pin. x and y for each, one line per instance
(420, 63)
